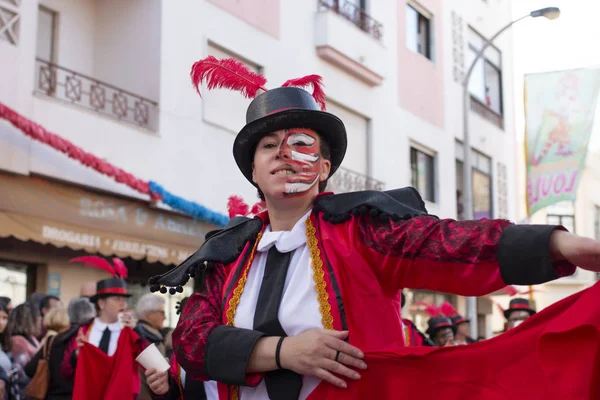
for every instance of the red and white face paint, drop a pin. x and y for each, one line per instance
(300, 149)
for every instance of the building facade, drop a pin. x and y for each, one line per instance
(113, 78)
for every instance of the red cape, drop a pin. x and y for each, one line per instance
(100, 377)
(554, 355)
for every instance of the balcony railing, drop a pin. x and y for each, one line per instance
(344, 181)
(355, 14)
(75, 88)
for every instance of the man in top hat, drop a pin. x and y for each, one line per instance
(101, 357)
(462, 326)
(440, 331)
(297, 295)
(518, 311)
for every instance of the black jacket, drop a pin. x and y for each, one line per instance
(58, 388)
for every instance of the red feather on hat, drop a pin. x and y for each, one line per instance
(509, 290)
(120, 268)
(227, 73)
(258, 208)
(317, 84)
(237, 206)
(432, 310)
(95, 262)
(448, 310)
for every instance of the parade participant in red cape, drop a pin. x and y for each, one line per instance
(295, 297)
(101, 357)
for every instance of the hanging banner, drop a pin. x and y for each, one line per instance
(559, 114)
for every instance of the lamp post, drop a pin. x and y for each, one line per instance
(548, 12)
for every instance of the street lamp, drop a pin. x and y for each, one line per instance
(549, 13)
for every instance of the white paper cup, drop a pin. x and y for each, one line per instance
(151, 358)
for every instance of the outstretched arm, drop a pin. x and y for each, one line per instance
(469, 258)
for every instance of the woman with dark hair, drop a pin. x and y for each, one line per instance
(22, 330)
(5, 361)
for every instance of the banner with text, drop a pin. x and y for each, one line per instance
(559, 115)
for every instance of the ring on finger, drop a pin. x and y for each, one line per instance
(337, 356)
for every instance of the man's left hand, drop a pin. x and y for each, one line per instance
(157, 381)
(580, 251)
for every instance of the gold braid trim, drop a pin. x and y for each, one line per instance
(239, 289)
(406, 336)
(235, 301)
(318, 275)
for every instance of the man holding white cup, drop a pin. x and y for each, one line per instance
(101, 358)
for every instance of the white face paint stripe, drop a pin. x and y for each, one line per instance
(300, 137)
(296, 155)
(299, 187)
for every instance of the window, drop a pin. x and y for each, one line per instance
(422, 166)
(562, 213)
(481, 181)
(224, 107)
(46, 34)
(356, 158)
(418, 32)
(13, 281)
(485, 84)
(10, 21)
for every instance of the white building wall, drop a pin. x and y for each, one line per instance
(125, 45)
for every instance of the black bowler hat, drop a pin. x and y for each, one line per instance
(459, 319)
(110, 287)
(518, 304)
(437, 323)
(114, 286)
(285, 107)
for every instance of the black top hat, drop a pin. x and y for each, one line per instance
(285, 108)
(110, 287)
(518, 304)
(459, 319)
(437, 323)
(282, 108)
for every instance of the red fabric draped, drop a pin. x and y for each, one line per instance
(100, 377)
(554, 355)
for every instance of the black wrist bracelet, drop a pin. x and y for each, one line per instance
(278, 351)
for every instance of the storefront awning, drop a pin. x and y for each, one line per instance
(47, 212)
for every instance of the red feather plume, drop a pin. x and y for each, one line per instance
(95, 262)
(237, 206)
(509, 290)
(432, 310)
(120, 268)
(317, 84)
(227, 73)
(448, 310)
(258, 208)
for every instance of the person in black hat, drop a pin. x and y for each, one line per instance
(462, 327)
(318, 274)
(518, 311)
(106, 333)
(441, 331)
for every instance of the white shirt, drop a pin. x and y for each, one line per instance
(98, 328)
(299, 309)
